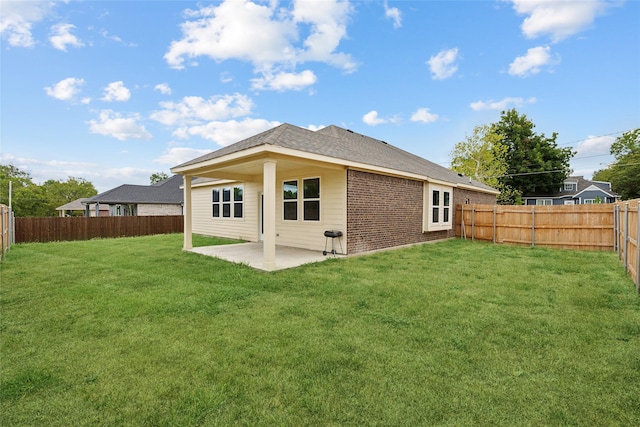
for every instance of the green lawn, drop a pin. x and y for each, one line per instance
(134, 332)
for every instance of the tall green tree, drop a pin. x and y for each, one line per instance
(483, 157)
(30, 199)
(60, 192)
(624, 173)
(535, 162)
(157, 177)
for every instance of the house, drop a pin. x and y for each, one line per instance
(162, 198)
(288, 185)
(575, 190)
(78, 208)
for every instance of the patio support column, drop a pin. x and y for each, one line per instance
(269, 191)
(187, 210)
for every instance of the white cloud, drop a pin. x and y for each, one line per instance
(424, 115)
(394, 14)
(595, 145)
(266, 35)
(372, 119)
(285, 81)
(532, 62)
(122, 128)
(65, 89)
(116, 91)
(229, 132)
(178, 155)
(502, 104)
(315, 127)
(163, 88)
(195, 110)
(17, 19)
(558, 19)
(443, 64)
(61, 37)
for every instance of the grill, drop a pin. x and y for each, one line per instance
(332, 234)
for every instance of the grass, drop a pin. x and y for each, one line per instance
(134, 332)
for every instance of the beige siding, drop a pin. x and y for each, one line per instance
(245, 228)
(333, 202)
(300, 234)
(158, 209)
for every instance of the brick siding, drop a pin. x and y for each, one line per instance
(385, 211)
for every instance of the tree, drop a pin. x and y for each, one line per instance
(59, 192)
(624, 173)
(535, 162)
(157, 177)
(29, 199)
(483, 157)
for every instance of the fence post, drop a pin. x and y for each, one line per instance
(626, 237)
(533, 226)
(615, 227)
(494, 223)
(2, 241)
(463, 232)
(473, 222)
(638, 249)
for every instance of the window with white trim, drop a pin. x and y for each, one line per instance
(437, 207)
(290, 200)
(228, 202)
(544, 202)
(311, 199)
(301, 202)
(589, 201)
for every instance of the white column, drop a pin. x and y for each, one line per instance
(269, 190)
(187, 211)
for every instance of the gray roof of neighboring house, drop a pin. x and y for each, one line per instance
(75, 205)
(339, 143)
(583, 184)
(164, 192)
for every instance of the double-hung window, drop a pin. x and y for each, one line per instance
(290, 200)
(308, 199)
(228, 202)
(437, 207)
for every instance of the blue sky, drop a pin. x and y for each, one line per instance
(113, 91)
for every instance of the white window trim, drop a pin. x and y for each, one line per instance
(427, 223)
(544, 202)
(313, 199)
(301, 199)
(589, 201)
(296, 200)
(232, 202)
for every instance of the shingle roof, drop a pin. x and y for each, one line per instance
(164, 192)
(75, 205)
(582, 184)
(343, 144)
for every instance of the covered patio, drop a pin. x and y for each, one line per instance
(252, 254)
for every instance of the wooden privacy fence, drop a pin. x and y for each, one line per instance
(84, 228)
(598, 227)
(627, 237)
(6, 229)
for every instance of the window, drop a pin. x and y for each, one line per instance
(569, 186)
(589, 201)
(544, 202)
(311, 199)
(437, 208)
(290, 200)
(225, 205)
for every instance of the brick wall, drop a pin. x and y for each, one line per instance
(385, 211)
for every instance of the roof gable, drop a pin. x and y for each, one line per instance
(343, 144)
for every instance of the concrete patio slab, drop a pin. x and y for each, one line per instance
(251, 254)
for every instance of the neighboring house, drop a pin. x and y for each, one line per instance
(575, 191)
(79, 209)
(289, 185)
(162, 198)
